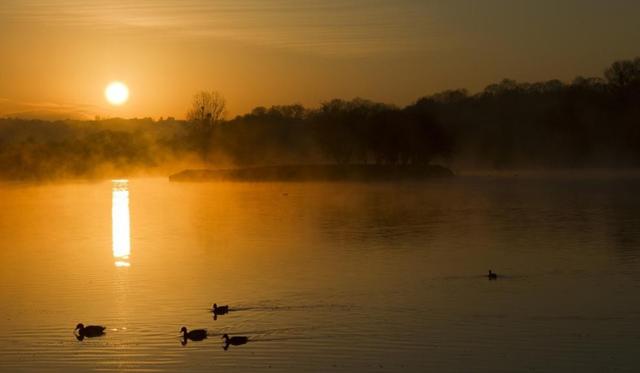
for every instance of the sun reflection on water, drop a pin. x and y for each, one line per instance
(120, 223)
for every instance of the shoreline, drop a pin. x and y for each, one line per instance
(315, 173)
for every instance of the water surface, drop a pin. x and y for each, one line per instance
(336, 276)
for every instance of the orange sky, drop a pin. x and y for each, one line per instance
(57, 56)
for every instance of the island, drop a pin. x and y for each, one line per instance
(323, 172)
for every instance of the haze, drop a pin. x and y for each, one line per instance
(58, 56)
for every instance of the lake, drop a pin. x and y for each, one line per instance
(323, 276)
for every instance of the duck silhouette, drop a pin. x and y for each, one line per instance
(235, 341)
(220, 310)
(88, 331)
(193, 335)
(492, 275)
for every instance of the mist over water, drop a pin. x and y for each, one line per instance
(588, 123)
(324, 276)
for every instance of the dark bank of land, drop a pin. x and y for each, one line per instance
(316, 173)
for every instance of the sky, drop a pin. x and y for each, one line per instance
(56, 57)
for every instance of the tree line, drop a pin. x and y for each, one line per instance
(590, 122)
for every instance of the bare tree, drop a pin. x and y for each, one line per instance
(207, 106)
(208, 109)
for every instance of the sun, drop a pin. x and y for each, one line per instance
(116, 93)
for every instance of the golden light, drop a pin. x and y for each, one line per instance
(120, 223)
(116, 93)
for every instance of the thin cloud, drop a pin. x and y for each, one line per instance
(45, 110)
(331, 27)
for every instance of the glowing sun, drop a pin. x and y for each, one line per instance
(116, 93)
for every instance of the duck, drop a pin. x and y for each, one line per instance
(492, 275)
(194, 335)
(89, 331)
(220, 310)
(236, 340)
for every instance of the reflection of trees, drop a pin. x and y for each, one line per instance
(624, 222)
(388, 217)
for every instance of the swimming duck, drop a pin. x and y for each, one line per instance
(89, 331)
(492, 275)
(220, 310)
(194, 335)
(236, 341)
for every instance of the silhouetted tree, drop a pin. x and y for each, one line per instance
(623, 73)
(207, 106)
(208, 109)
